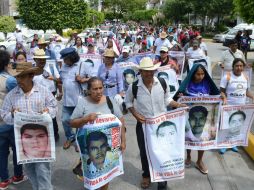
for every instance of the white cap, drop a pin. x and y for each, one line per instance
(126, 49)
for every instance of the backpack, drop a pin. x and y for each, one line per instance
(135, 86)
(110, 105)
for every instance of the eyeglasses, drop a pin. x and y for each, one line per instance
(107, 75)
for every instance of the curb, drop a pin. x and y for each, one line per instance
(250, 148)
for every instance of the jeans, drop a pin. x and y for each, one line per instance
(39, 175)
(66, 115)
(7, 140)
(142, 150)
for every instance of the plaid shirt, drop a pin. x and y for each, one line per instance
(35, 101)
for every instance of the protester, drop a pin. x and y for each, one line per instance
(19, 48)
(111, 75)
(42, 44)
(229, 55)
(202, 44)
(153, 102)
(245, 43)
(137, 44)
(197, 83)
(125, 54)
(38, 173)
(49, 79)
(7, 83)
(98, 40)
(20, 57)
(161, 41)
(143, 47)
(238, 39)
(34, 42)
(72, 39)
(72, 75)
(79, 46)
(235, 87)
(195, 52)
(88, 108)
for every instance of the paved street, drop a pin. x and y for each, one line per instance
(232, 171)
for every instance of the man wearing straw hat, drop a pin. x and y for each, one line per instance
(153, 101)
(50, 79)
(42, 101)
(160, 42)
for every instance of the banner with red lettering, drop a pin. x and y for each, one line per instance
(178, 57)
(99, 143)
(164, 140)
(202, 122)
(236, 121)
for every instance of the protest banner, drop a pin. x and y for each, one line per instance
(205, 62)
(135, 58)
(170, 76)
(235, 124)
(91, 62)
(99, 143)
(34, 138)
(57, 47)
(179, 58)
(202, 122)
(164, 141)
(129, 73)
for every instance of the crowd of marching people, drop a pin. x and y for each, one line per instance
(35, 81)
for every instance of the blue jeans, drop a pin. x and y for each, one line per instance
(7, 140)
(39, 174)
(66, 115)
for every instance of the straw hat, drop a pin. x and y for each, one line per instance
(40, 54)
(146, 64)
(26, 68)
(109, 53)
(163, 35)
(42, 41)
(122, 32)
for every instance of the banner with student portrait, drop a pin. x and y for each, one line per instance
(170, 76)
(91, 62)
(235, 124)
(99, 143)
(57, 47)
(129, 73)
(179, 58)
(135, 58)
(34, 138)
(164, 141)
(206, 62)
(201, 122)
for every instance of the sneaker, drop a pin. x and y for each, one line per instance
(222, 150)
(17, 180)
(5, 184)
(234, 149)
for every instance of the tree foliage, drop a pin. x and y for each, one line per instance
(246, 9)
(52, 14)
(7, 24)
(143, 15)
(95, 18)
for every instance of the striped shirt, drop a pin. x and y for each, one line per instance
(35, 101)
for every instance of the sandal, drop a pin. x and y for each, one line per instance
(145, 183)
(202, 169)
(187, 163)
(67, 144)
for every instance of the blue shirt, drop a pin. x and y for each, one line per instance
(112, 79)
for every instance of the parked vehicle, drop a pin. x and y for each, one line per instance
(220, 37)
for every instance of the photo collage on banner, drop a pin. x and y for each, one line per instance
(91, 63)
(164, 140)
(179, 58)
(170, 76)
(236, 121)
(138, 56)
(57, 47)
(99, 143)
(205, 62)
(201, 122)
(34, 138)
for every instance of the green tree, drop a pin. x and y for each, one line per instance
(143, 15)
(246, 9)
(52, 14)
(7, 24)
(95, 18)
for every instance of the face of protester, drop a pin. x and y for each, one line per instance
(90, 49)
(21, 59)
(79, 42)
(125, 54)
(24, 80)
(129, 78)
(96, 90)
(109, 60)
(42, 46)
(110, 43)
(40, 63)
(238, 68)
(34, 142)
(233, 47)
(67, 61)
(197, 123)
(147, 75)
(199, 75)
(163, 54)
(18, 45)
(97, 152)
(236, 123)
(195, 47)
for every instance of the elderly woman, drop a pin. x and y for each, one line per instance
(89, 106)
(111, 75)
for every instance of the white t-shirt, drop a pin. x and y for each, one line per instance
(203, 46)
(159, 43)
(196, 54)
(227, 58)
(236, 88)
